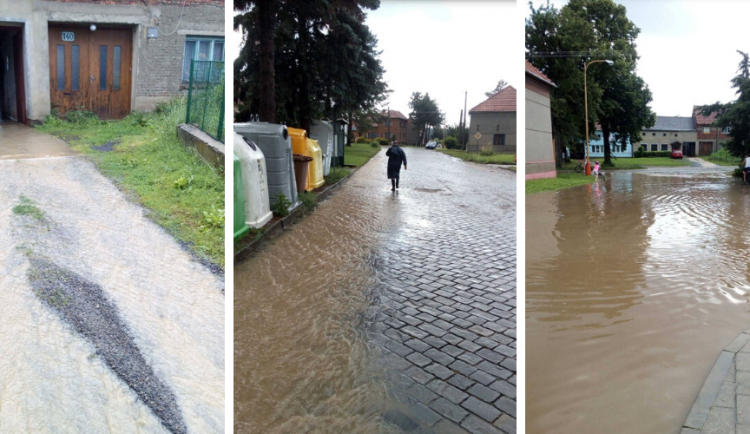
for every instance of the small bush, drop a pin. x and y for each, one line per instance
(81, 116)
(383, 142)
(374, 145)
(451, 142)
(737, 173)
(309, 199)
(656, 154)
(281, 206)
(486, 153)
(212, 219)
(139, 119)
(362, 139)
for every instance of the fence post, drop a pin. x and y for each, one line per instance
(205, 104)
(190, 90)
(221, 115)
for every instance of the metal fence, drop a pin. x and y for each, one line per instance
(205, 104)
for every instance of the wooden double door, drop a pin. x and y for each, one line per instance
(91, 70)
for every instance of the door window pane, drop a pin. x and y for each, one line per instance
(116, 69)
(75, 76)
(61, 67)
(189, 53)
(102, 67)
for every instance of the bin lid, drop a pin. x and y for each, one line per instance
(298, 157)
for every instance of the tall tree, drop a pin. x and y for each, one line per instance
(735, 115)
(325, 60)
(424, 112)
(502, 84)
(584, 30)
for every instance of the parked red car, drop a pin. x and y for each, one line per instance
(676, 154)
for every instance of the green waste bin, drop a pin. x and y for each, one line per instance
(240, 228)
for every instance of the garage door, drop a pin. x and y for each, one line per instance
(91, 70)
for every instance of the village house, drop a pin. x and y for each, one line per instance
(709, 137)
(109, 57)
(670, 133)
(540, 147)
(494, 121)
(393, 126)
(617, 148)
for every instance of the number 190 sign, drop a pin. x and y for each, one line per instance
(68, 36)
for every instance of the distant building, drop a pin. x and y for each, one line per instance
(670, 133)
(412, 135)
(107, 57)
(709, 137)
(495, 120)
(394, 126)
(540, 147)
(617, 149)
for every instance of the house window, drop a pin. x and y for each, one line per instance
(675, 135)
(387, 135)
(201, 48)
(388, 123)
(477, 127)
(664, 147)
(653, 134)
(654, 147)
(726, 130)
(706, 130)
(665, 134)
(498, 139)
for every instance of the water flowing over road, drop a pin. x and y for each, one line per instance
(634, 286)
(385, 312)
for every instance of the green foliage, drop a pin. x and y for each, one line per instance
(383, 142)
(308, 199)
(336, 174)
(27, 207)
(451, 142)
(737, 173)
(481, 159)
(81, 116)
(359, 153)
(281, 205)
(562, 181)
(724, 158)
(362, 139)
(329, 56)
(617, 97)
(374, 145)
(140, 119)
(654, 154)
(486, 153)
(424, 111)
(213, 218)
(502, 84)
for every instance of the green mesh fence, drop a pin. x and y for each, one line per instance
(205, 105)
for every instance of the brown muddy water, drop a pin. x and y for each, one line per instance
(634, 286)
(302, 363)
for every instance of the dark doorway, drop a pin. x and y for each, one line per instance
(688, 149)
(12, 75)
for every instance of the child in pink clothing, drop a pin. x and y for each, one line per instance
(596, 168)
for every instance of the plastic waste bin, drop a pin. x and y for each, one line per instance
(301, 145)
(275, 143)
(254, 182)
(322, 131)
(301, 168)
(240, 228)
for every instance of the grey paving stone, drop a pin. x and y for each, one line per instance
(398, 348)
(417, 345)
(484, 393)
(481, 409)
(461, 381)
(445, 426)
(491, 355)
(439, 356)
(421, 393)
(447, 391)
(494, 370)
(448, 409)
(470, 358)
(424, 415)
(726, 396)
(476, 425)
(507, 406)
(419, 375)
(418, 359)
(396, 417)
(482, 377)
(506, 424)
(439, 371)
(504, 388)
(720, 420)
(469, 346)
(462, 367)
(452, 351)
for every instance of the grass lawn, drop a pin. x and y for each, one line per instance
(735, 163)
(481, 159)
(634, 163)
(359, 153)
(563, 180)
(143, 156)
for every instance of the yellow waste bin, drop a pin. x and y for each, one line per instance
(301, 145)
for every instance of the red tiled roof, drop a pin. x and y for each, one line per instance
(703, 120)
(503, 101)
(531, 70)
(395, 114)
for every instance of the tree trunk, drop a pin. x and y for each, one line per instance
(304, 88)
(607, 151)
(266, 18)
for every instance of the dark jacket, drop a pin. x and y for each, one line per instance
(396, 157)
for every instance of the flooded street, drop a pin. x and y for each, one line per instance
(332, 325)
(634, 286)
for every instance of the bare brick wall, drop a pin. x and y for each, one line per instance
(160, 60)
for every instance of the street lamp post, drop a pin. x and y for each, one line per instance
(586, 107)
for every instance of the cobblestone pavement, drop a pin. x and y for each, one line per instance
(723, 405)
(445, 310)
(129, 329)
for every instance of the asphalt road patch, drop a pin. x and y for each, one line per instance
(83, 305)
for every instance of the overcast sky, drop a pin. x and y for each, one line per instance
(445, 48)
(687, 49)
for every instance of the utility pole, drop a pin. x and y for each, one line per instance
(460, 127)
(388, 122)
(466, 114)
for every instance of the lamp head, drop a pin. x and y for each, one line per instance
(609, 62)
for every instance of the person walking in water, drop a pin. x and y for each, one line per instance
(745, 168)
(396, 157)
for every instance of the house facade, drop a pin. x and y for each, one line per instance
(109, 57)
(670, 133)
(709, 137)
(495, 122)
(540, 147)
(617, 149)
(394, 126)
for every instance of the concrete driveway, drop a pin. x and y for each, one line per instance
(108, 324)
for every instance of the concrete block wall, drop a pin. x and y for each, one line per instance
(491, 123)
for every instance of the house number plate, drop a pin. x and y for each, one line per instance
(68, 36)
